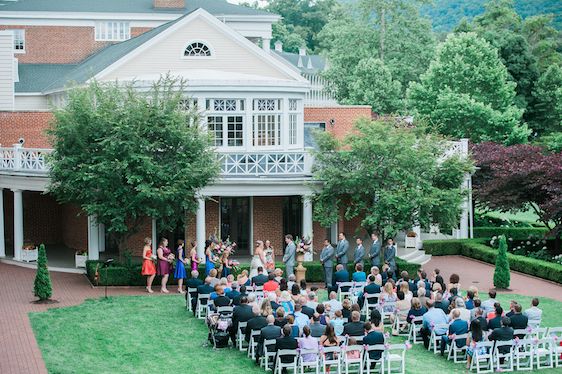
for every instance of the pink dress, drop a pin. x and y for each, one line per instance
(193, 263)
(164, 267)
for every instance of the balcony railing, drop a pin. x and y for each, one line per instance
(24, 160)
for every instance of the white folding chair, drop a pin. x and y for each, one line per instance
(343, 294)
(348, 363)
(395, 354)
(415, 328)
(521, 333)
(538, 333)
(188, 297)
(524, 353)
(534, 323)
(555, 333)
(371, 301)
(225, 311)
(287, 353)
(202, 300)
(544, 352)
(507, 356)
(258, 291)
(482, 355)
(329, 357)
(315, 363)
(240, 336)
(400, 326)
(434, 339)
(253, 346)
(373, 362)
(387, 309)
(268, 358)
(458, 354)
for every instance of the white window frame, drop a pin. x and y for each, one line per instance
(19, 37)
(207, 44)
(112, 31)
(294, 107)
(267, 119)
(225, 108)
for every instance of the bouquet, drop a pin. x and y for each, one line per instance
(234, 265)
(171, 258)
(221, 248)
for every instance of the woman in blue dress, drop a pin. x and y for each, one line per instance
(209, 257)
(180, 273)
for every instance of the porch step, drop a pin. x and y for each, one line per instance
(416, 257)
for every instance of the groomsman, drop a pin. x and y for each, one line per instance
(375, 252)
(341, 250)
(290, 253)
(327, 260)
(359, 252)
(390, 255)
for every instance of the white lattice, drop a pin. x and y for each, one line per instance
(24, 159)
(33, 160)
(256, 164)
(7, 158)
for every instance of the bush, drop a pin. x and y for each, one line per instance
(501, 272)
(477, 250)
(42, 287)
(516, 233)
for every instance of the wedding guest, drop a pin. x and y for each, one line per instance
(260, 279)
(210, 257)
(243, 279)
(316, 328)
(355, 327)
(295, 332)
(285, 342)
(308, 342)
(295, 292)
(477, 305)
(387, 295)
(334, 303)
(441, 303)
(279, 275)
(269, 256)
(312, 301)
(181, 261)
(359, 275)
(241, 313)
(488, 305)
(408, 295)
(376, 273)
(359, 253)
(518, 320)
(194, 282)
(148, 267)
(286, 301)
(469, 302)
(456, 327)
(373, 337)
(193, 256)
(346, 309)
(434, 316)
(534, 314)
(495, 322)
(221, 299)
(475, 336)
(213, 274)
(422, 296)
(280, 319)
(225, 263)
(356, 308)
(337, 322)
(376, 320)
(320, 310)
(454, 282)
(355, 354)
(269, 332)
(464, 313)
(271, 285)
(301, 319)
(164, 267)
(234, 294)
(329, 339)
(417, 310)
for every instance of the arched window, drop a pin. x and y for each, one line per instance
(197, 49)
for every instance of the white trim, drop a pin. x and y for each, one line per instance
(202, 41)
(29, 15)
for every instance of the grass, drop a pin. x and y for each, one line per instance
(528, 216)
(150, 334)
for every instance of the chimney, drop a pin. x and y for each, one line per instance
(278, 46)
(168, 4)
(302, 51)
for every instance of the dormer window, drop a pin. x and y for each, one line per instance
(197, 49)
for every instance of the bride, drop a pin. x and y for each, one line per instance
(258, 259)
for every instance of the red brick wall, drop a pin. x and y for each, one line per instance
(319, 233)
(135, 242)
(211, 221)
(136, 31)
(268, 221)
(169, 3)
(28, 125)
(344, 117)
(74, 227)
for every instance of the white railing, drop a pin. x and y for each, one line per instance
(318, 95)
(24, 160)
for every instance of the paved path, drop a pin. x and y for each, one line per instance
(481, 275)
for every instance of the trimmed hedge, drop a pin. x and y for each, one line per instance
(478, 250)
(121, 275)
(517, 233)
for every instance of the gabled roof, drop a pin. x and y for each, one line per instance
(215, 7)
(311, 64)
(37, 77)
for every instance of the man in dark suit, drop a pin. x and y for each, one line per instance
(260, 279)
(355, 327)
(371, 288)
(480, 318)
(268, 332)
(234, 293)
(373, 338)
(518, 320)
(441, 304)
(503, 333)
(193, 282)
(285, 342)
(316, 328)
(256, 323)
(241, 313)
(221, 299)
(236, 298)
(456, 327)
(204, 289)
(341, 275)
(306, 309)
(495, 323)
(375, 251)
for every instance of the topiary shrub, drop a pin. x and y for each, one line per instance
(42, 287)
(501, 272)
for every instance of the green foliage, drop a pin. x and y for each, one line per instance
(466, 93)
(42, 287)
(544, 40)
(389, 176)
(123, 155)
(501, 272)
(547, 93)
(552, 142)
(286, 34)
(516, 233)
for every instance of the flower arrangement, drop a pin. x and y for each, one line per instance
(28, 246)
(171, 258)
(303, 245)
(234, 265)
(411, 234)
(220, 248)
(81, 252)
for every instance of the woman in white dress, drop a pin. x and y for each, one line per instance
(258, 259)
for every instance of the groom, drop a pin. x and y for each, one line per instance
(289, 257)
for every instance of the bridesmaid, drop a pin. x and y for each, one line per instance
(181, 261)
(269, 256)
(193, 256)
(164, 267)
(209, 257)
(225, 265)
(148, 267)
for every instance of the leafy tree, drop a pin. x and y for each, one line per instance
(390, 176)
(123, 155)
(544, 40)
(286, 34)
(547, 111)
(42, 287)
(466, 92)
(501, 272)
(552, 142)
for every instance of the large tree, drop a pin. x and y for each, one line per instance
(547, 95)
(123, 155)
(466, 92)
(544, 40)
(391, 176)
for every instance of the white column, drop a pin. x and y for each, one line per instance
(200, 228)
(2, 238)
(153, 234)
(417, 230)
(93, 239)
(307, 222)
(266, 44)
(101, 237)
(464, 222)
(334, 233)
(18, 224)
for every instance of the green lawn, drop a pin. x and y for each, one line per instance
(150, 334)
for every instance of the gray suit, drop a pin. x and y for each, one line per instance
(341, 252)
(327, 259)
(390, 256)
(289, 258)
(359, 254)
(375, 253)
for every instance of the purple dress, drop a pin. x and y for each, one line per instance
(164, 267)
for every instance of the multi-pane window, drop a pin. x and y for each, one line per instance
(229, 130)
(19, 40)
(293, 121)
(188, 104)
(112, 31)
(197, 49)
(267, 122)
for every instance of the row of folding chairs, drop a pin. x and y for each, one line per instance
(350, 290)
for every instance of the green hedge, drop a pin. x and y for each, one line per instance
(517, 233)
(478, 250)
(121, 275)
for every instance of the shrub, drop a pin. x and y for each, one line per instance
(42, 287)
(501, 272)
(516, 233)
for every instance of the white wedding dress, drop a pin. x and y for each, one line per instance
(256, 262)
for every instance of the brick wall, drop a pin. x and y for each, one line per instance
(135, 242)
(74, 227)
(136, 31)
(211, 221)
(28, 125)
(319, 233)
(268, 221)
(344, 117)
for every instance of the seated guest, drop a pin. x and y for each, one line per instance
(229, 280)
(280, 319)
(265, 308)
(478, 316)
(453, 295)
(359, 275)
(371, 289)
(433, 317)
(439, 278)
(402, 307)
(518, 320)
(291, 280)
(283, 285)
(286, 302)
(408, 295)
(456, 327)
(204, 289)
(316, 328)
(301, 319)
(422, 292)
(303, 287)
(285, 342)
(295, 331)
(475, 336)
(341, 275)
(260, 279)
(375, 272)
(373, 337)
(346, 309)
(488, 305)
(387, 296)
(243, 279)
(423, 277)
(241, 313)
(278, 275)
(213, 273)
(305, 308)
(324, 319)
(416, 310)
(271, 285)
(295, 292)
(312, 301)
(272, 297)
(329, 339)
(502, 333)
(464, 313)
(234, 293)
(534, 314)
(511, 312)
(194, 282)
(355, 327)
(334, 303)
(252, 301)
(255, 324)
(268, 332)
(376, 320)
(469, 302)
(441, 303)
(221, 299)
(308, 342)
(337, 322)
(356, 308)
(477, 305)
(435, 290)
(454, 282)
(495, 322)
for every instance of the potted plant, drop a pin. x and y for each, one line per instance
(80, 258)
(29, 252)
(411, 240)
